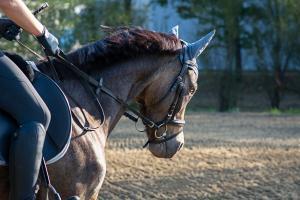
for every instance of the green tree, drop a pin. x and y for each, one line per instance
(108, 13)
(276, 43)
(78, 22)
(267, 29)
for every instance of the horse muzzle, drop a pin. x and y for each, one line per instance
(169, 148)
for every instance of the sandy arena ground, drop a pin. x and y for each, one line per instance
(226, 156)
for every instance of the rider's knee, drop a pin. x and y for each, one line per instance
(42, 114)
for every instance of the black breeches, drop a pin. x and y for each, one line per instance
(18, 97)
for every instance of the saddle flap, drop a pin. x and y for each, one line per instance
(59, 131)
(58, 135)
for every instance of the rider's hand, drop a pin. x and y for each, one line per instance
(49, 43)
(9, 30)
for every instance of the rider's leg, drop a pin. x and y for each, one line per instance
(22, 102)
(25, 159)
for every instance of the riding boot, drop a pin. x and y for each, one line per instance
(25, 160)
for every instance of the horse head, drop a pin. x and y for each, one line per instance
(157, 70)
(166, 98)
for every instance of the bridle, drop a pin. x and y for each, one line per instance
(178, 87)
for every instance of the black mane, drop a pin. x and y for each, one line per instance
(125, 43)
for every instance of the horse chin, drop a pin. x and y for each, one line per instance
(169, 148)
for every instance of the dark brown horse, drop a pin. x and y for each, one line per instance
(157, 70)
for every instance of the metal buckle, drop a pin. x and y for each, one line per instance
(164, 133)
(152, 124)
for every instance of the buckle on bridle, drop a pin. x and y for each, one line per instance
(163, 135)
(151, 124)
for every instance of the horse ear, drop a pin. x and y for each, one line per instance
(196, 48)
(175, 31)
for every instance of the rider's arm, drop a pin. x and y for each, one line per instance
(17, 11)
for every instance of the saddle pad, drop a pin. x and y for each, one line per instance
(58, 135)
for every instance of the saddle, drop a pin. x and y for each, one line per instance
(58, 135)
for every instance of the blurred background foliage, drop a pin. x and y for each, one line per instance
(252, 64)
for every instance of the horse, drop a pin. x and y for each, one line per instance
(156, 70)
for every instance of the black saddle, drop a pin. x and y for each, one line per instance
(58, 135)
